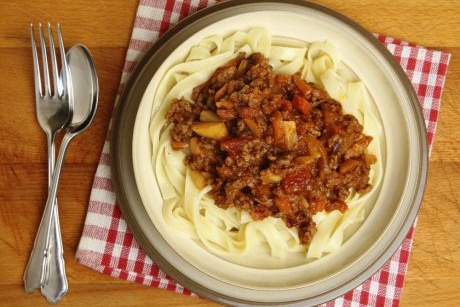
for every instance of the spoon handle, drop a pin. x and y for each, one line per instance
(54, 284)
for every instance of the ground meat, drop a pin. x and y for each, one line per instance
(270, 144)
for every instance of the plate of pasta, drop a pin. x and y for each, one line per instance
(269, 153)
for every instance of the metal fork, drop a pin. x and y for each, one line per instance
(46, 269)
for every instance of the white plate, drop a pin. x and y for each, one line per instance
(405, 160)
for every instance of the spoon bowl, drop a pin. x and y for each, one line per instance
(85, 87)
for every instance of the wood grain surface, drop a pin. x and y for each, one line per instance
(105, 27)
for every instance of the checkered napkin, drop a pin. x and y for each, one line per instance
(108, 246)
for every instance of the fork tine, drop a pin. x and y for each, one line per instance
(37, 78)
(54, 69)
(65, 69)
(46, 75)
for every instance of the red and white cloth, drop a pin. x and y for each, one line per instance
(108, 246)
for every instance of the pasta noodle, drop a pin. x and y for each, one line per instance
(232, 231)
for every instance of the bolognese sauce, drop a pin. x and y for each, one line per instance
(271, 144)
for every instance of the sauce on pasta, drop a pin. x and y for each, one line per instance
(271, 144)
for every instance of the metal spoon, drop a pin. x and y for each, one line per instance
(85, 91)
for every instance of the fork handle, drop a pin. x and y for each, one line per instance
(36, 269)
(36, 266)
(54, 284)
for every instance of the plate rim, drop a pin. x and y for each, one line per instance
(123, 189)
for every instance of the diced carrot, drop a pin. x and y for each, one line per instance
(301, 104)
(253, 127)
(286, 105)
(246, 112)
(221, 92)
(304, 159)
(225, 104)
(301, 85)
(178, 145)
(283, 204)
(370, 159)
(348, 165)
(277, 124)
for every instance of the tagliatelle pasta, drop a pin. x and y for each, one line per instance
(232, 231)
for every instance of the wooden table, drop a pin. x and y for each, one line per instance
(105, 27)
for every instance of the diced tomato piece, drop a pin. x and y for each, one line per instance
(339, 129)
(260, 212)
(336, 204)
(296, 181)
(329, 114)
(317, 205)
(301, 104)
(232, 145)
(282, 79)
